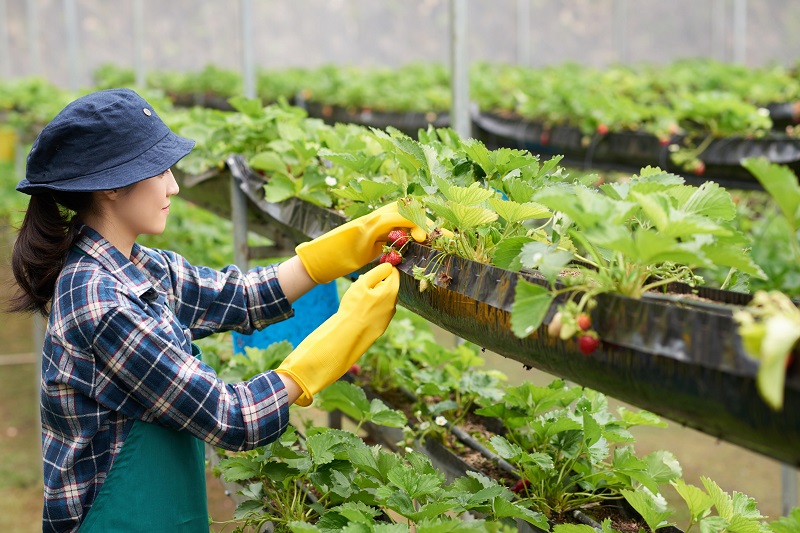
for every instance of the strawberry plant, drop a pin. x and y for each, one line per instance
(627, 238)
(331, 479)
(573, 457)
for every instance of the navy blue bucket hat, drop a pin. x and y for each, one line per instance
(104, 140)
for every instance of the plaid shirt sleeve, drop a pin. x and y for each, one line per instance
(144, 374)
(208, 301)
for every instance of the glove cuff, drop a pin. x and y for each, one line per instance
(305, 399)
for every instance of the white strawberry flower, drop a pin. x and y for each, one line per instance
(330, 181)
(440, 421)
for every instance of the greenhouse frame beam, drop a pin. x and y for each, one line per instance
(71, 23)
(459, 68)
(248, 60)
(138, 42)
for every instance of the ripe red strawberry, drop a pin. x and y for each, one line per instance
(584, 322)
(398, 238)
(392, 257)
(602, 129)
(520, 486)
(355, 369)
(588, 343)
(664, 141)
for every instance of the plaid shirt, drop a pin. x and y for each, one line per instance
(118, 349)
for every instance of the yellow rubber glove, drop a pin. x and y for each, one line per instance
(330, 350)
(354, 244)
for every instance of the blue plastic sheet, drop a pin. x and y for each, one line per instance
(310, 310)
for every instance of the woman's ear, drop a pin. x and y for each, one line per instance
(111, 194)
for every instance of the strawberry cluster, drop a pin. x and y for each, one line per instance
(396, 240)
(565, 326)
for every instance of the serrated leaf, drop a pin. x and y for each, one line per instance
(382, 415)
(248, 508)
(463, 217)
(504, 508)
(513, 212)
(470, 196)
(547, 259)
(729, 253)
(239, 469)
(653, 515)
(346, 397)
(414, 211)
(709, 200)
(506, 255)
(414, 483)
(697, 501)
(505, 449)
(321, 447)
(780, 182)
(531, 303)
(269, 162)
(279, 188)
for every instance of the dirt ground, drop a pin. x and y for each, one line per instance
(733, 468)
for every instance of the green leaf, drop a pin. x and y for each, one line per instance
(513, 212)
(382, 415)
(414, 211)
(654, 515)
(415, 483)
(547, 259)
(461, 216)
(505, 449)
(346, 397)
(506, 255)
(269, 162)
(787, 524)
(530, 306)
(239, 469)
(504, 508)
(709, 200)
(248, 508)
(698, 501)
(780, 182)
(724, 252)
(279, 188)
(473, 195)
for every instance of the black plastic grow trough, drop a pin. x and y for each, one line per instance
(678, 357)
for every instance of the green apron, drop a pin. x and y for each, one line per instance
(156, 484)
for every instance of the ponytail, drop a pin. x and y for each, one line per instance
(45, 237)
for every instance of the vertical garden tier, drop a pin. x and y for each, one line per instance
(676, 355)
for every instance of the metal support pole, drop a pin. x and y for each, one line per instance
(459, 69)
(241, 254)
(740, 31)
(71, 22)
(524, 32)
(138, 42)
(620, 26)
(5, 45)
(34, 50)
(789, 486)
(718, 30)
(248, 63)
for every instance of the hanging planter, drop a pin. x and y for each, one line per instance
(631, 151)
(407, 122)
(678, 356)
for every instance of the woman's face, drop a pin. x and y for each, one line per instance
(144, 207)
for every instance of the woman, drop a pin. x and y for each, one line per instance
(126, 402)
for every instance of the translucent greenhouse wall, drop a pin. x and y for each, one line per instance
(190, 34)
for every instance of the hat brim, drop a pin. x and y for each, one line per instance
(153, 162)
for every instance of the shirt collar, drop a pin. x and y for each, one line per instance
(94, 245)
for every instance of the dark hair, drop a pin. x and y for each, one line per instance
(45, 237)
